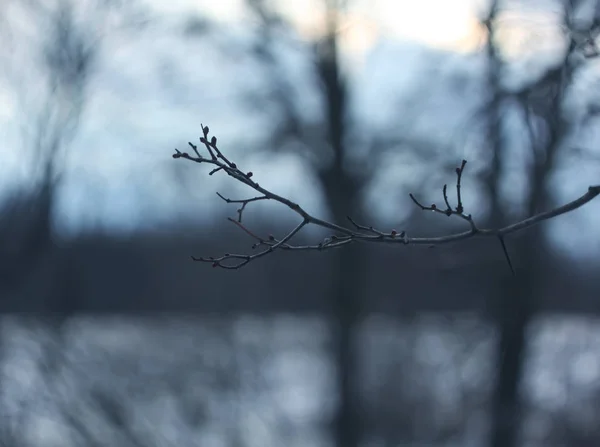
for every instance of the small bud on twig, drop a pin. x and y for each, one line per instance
(360, 232)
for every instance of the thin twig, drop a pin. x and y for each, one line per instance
(505, 250)
(359, 233)
(459, 172)
(244, 202)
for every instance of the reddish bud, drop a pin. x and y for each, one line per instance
(213, 141)
(271, 237)
(433, 207)
(214, 264)
(249, 174)
(233, 165)
(394, 233)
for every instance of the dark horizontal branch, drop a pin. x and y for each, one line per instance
(344, 235)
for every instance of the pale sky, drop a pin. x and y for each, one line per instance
(152, 92)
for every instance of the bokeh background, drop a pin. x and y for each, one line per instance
(111, 335)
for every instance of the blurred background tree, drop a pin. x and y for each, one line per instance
(344, 107)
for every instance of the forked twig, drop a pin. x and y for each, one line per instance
(358, 233)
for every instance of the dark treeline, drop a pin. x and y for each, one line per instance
(152, 272)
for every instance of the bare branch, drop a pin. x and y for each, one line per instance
(244, 202)
(459, 210)
(358, 233)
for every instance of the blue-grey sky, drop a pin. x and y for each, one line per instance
(152, 88)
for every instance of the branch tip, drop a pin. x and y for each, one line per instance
(357, 233)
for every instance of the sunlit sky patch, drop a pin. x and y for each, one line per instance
(436, 23)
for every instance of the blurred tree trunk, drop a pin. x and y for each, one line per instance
(347, 289)
(493, 131)
(342, 193)
(510, 309)
(64, 59)
(346, 295)
(341, 189)
(517, 301)
(514, 311)
(65, 51)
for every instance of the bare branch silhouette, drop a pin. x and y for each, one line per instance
(344, 235)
